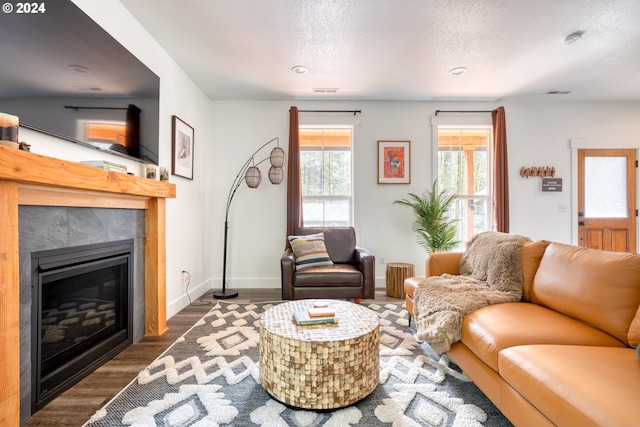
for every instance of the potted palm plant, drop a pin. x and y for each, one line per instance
(436, 230)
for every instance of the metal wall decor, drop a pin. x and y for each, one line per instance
(539, 171)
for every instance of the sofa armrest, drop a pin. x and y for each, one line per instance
(439, 263)
(287, 270)
(366, 263)
(436, 264)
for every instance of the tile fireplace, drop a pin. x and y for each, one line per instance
(96, 257)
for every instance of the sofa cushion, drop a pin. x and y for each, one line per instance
(439, 263)
(576, 385)
(333, 275)
(340, 242)
(598, 287)
(634, 330)
(495, 258)
(531, 256)
(310, 251)
(491, 329)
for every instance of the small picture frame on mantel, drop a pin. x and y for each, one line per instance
(182, 148)
(394, 162)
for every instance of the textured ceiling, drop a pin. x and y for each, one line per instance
(400, 50)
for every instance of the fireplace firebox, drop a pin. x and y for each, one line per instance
(81, 313)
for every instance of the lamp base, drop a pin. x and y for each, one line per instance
(225, 294)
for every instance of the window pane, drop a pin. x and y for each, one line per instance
(337, 173)
(450, 168)
(325, 167)
(605, 187)
(480, 172)
(463, 169)
(326, 212)
(311, 166)
(327, 138)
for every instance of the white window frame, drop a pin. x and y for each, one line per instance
(350, 198)
(466, 121)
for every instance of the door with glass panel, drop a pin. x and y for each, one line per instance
(607, 199)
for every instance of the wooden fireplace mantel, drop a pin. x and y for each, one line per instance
(31, 179)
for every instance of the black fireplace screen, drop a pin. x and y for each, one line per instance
(81, 299)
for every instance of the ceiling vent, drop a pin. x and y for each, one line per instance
(325, 89)
(558, 92)
(89, 88)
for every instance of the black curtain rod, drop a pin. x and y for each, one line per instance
(331, 111)
(453, 111)
(73, 107)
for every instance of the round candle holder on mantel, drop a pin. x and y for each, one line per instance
(9, 130)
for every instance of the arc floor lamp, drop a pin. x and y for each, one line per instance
(250, 173)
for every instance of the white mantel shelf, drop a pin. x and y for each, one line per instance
(31, 179)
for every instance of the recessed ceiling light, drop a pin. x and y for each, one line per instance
(573, 37)
(299, 69)
(457, 71)
(79, 68)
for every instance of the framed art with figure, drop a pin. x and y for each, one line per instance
(181, 148)
(394, 162)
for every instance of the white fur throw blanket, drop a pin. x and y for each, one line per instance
(490, 273)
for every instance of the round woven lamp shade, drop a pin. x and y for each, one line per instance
(276, 175)
(253, 177)
(277, 157)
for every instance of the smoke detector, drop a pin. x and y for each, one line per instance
(457, 71)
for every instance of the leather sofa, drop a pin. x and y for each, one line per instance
(352, 274)
(564, 354)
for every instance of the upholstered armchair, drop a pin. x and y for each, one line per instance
(349, 273)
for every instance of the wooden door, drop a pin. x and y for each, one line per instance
(607, 199)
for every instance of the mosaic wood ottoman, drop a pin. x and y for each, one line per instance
(321, 366)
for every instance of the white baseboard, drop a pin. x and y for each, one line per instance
(178, 304)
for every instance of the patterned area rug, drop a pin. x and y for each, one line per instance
(209, 377)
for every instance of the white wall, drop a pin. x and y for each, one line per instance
(538, 135)
(228, 132)
(258, 217)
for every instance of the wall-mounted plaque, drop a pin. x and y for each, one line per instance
(552, 184)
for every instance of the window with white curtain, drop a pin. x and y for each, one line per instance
(326, 172)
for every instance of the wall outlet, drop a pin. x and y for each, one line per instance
(185, 276)
(381, 260)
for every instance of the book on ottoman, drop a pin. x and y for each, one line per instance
(322, 312)
(302, 318)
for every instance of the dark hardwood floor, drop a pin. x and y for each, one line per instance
(76, 405)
